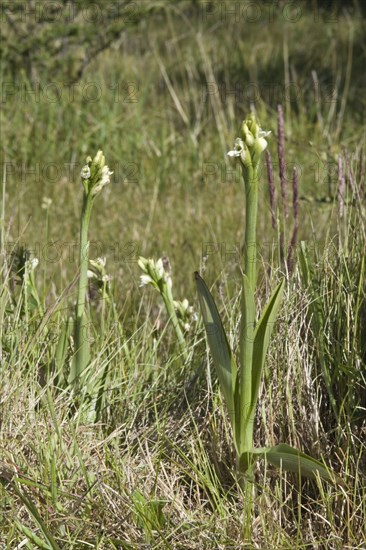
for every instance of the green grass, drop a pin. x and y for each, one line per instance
(157, 466)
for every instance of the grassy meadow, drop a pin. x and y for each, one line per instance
(138, 453)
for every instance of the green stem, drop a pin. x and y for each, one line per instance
(250, 245)
(104, 298)
(246, 359)
(83, 255)
(169, 304)
(80, 358)
(248, 315)
(248, 511)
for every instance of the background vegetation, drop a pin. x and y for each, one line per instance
(161, 88)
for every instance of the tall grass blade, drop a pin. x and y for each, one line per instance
(32, 537)
(33, 511)
(62, 349)
(317, 321)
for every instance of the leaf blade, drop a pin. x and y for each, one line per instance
(292, 460)
(262, 337)
(222, 355)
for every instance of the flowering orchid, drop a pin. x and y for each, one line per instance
(95, 175)
(241, 386)
(157, 273)
(154, 273)
(254, 143)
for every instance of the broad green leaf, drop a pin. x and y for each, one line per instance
(262, 337)
(286, 457)
(222, 356)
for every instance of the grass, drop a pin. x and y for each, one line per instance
(155, 468)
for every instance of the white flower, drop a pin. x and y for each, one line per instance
(46, 203)
(85, 172)
(145, 280)
(104, 180)
(159, 267)
(263, 133)
(32, 264)
(99, 158)
(154, 272)
(99, 262)
(238, 150)
(261, 143)
(142, 262)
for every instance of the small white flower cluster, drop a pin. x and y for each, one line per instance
(98, 270)
(253, 143)
(95, 174)
(104, 180)
(185, 313)
(31, 264)
(154, 272)
(46, 203)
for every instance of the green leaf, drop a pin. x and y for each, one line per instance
(148, 513)
(286, 457)
(32, 509)
(32, 536)
(222, 356)
(81, 357)
(62, 349)
(262, 337)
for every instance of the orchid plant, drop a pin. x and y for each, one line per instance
(157, 274)
(240, 386)
(95, 175)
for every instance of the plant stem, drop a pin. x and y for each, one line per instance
(80, 358)
(250, 245)
(83, 255)
(169, 304)
(248, 314)
(246, 359)
(248, 512)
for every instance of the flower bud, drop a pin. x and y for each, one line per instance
(248, 136)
